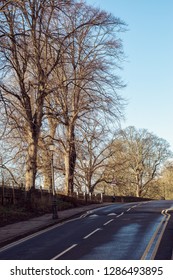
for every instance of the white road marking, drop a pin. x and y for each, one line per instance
(63, 252)
(134, 206)
(93, 215)
(108, 222)
(112, 214)
(128, 209)
(92, 233)
(15, 243)
(120, 214)
(86, 214)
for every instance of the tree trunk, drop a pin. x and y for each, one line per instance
(139, 184)
(46, 155)
(139, 190)
(70, 161)
(31, 163)
(47, 174)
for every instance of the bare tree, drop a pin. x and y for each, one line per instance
(145, 154)
(116, 174)
(85, 80)
(25, 62)
(93, 154)
(164, 182)
(28, 42)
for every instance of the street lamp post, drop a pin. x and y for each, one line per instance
(54, 206)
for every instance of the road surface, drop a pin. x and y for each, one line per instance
(124, 231)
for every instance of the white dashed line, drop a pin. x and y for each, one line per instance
(93, 215)
(92, 233)
(63, 252)
(134, 206)
(108, 222)
(120, 214)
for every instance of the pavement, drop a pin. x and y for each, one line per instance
(15, 231)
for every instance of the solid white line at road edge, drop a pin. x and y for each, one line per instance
(63, 252)
(39, 232)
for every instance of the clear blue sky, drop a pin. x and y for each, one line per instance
(148, 71)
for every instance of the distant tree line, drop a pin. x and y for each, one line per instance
(138, 161)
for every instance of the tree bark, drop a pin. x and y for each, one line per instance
(47, 174)
(31, 163)
(70, 161)
(46, 155)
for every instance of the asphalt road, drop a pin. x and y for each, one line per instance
(129, 231)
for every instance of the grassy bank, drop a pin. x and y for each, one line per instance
(15, 213)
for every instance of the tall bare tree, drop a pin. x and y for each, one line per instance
(86, 80)
(28, 42)
(25, 68)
